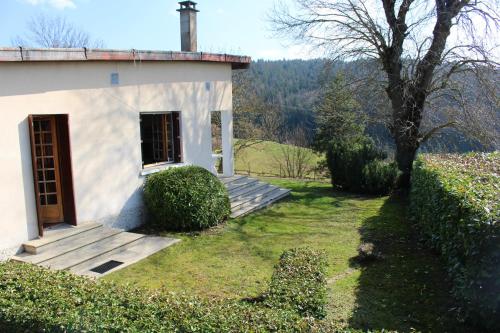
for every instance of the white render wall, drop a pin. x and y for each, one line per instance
(104, 131)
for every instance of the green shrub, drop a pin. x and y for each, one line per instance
(186, 198)
(455, 203)
(33, 299)
(378, 177)
(299, 283)
(357, 165)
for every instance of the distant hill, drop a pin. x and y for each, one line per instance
(290, 85)
(294, 86)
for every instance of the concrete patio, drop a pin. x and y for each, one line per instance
(90, 249)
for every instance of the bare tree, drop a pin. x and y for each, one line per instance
(272, 124)
(293, 158)
(247, 108)
(54, 32)
(408, 38)
(255, 120)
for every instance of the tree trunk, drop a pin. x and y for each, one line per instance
(408, 96)
(406, 132)
(405, 155)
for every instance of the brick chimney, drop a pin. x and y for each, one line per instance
(189, 42)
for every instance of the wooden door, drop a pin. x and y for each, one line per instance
(46, 170)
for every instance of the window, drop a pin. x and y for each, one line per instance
(160, 138)
(216, 122)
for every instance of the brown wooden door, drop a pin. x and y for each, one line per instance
(45, 154)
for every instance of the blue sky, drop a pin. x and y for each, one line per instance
(225, 26)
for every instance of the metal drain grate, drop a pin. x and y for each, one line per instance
(107, 266)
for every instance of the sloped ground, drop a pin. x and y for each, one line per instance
(405, 289)
(263, 159)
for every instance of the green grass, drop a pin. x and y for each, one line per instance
(263, 159)
(404, 290)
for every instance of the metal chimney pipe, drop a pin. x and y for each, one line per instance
(188, 11)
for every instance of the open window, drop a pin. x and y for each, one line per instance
(216, 129)
(160, 138)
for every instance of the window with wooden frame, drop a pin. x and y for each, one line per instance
(160, 138)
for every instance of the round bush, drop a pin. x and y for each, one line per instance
(186, 199)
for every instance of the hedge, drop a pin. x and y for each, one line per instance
(455, 204)
(299, 283)
(34, 299)
(379, 177)
(357, 165)
(186, 199)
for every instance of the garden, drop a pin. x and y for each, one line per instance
(320, 261)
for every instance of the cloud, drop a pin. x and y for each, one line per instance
(58, 4)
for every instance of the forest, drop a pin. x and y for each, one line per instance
(291, 90)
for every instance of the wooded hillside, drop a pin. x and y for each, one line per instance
(295, 87)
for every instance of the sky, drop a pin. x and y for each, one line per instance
(224, 26)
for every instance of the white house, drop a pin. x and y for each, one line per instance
(81, 128)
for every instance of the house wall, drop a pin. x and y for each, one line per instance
(104, 131)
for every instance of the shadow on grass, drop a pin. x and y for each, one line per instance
(311, 196)
(407, 287)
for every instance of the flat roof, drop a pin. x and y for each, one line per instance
(21, 54)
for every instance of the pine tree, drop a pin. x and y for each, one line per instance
(338, 117)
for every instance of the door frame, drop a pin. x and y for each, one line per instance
(65, 168)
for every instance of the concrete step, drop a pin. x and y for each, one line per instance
(227, 180)
(253, 197)
(126, 255)
(269, 193)
(57, 234)
(240, 183)
(91, 251)
(246, 190)
(248, 194)
(63, 246)
(260, 203)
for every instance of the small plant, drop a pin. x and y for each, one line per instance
(299, 283)
(186, 199)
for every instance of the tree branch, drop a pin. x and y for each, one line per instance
(433, 131)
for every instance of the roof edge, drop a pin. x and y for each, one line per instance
(21, 54)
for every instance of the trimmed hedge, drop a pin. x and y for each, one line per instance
(357, 165)
(299, 283)
(34, 299)
(379, 177)
(455, 203)
(186, 199)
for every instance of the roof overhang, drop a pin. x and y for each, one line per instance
(21, 54)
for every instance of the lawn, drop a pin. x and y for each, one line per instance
(263, 158)
(405, 289)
